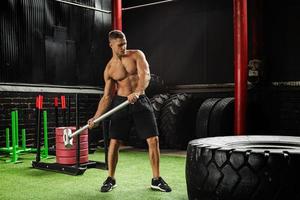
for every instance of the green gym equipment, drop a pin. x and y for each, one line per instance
(14, 150)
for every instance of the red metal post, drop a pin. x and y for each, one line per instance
(117, 14)
(240, 64)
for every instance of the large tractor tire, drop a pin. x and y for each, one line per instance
(203, 115)
(221, 118)
(243, 168)
(157, 102)
(174, 130)
(156, 86)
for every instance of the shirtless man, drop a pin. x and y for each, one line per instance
(127, 76)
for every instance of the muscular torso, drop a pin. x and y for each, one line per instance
(124, 73)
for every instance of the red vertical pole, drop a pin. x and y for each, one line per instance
(117, 14)
(63, 108)
(240, 64)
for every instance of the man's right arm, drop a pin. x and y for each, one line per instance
(109, 91)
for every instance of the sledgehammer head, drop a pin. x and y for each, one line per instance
(68, 141)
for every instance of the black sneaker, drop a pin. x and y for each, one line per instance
(108, 185)
(160, 184)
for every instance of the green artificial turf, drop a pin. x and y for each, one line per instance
(21, 181)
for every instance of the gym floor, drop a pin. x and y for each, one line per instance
(133, 178)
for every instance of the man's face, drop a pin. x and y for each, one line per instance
(118, 46)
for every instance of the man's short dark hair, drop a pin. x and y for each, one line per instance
(115, 34)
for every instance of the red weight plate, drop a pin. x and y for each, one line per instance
(83, 138)
(60, 130)
(71, 152)
(61, 145)
(71, 160)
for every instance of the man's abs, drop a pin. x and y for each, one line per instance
(127, 86)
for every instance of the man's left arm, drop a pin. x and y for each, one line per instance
(143, 72)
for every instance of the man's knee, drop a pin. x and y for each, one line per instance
(115, 143)
(152, 141)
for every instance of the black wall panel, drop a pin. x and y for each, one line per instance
(186, 41)
(44, 41)
(282, 41)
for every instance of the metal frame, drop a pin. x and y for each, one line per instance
(84, 6)
(108, 11)
(147, 4)
(77, 169)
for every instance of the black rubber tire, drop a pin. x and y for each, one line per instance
(222, 118)
(156, 86)
(243, 167)
(203, 115)
(174, 131)
(157, 102)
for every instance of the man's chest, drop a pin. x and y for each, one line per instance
(122, 69)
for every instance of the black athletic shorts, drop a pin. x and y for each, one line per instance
(140, 114)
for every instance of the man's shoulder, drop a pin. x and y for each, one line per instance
(108, 66)
(136, 52)
(109, 63)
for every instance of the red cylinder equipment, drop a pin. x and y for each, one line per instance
(67, 156)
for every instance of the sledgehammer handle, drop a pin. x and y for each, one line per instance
(105, 115)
